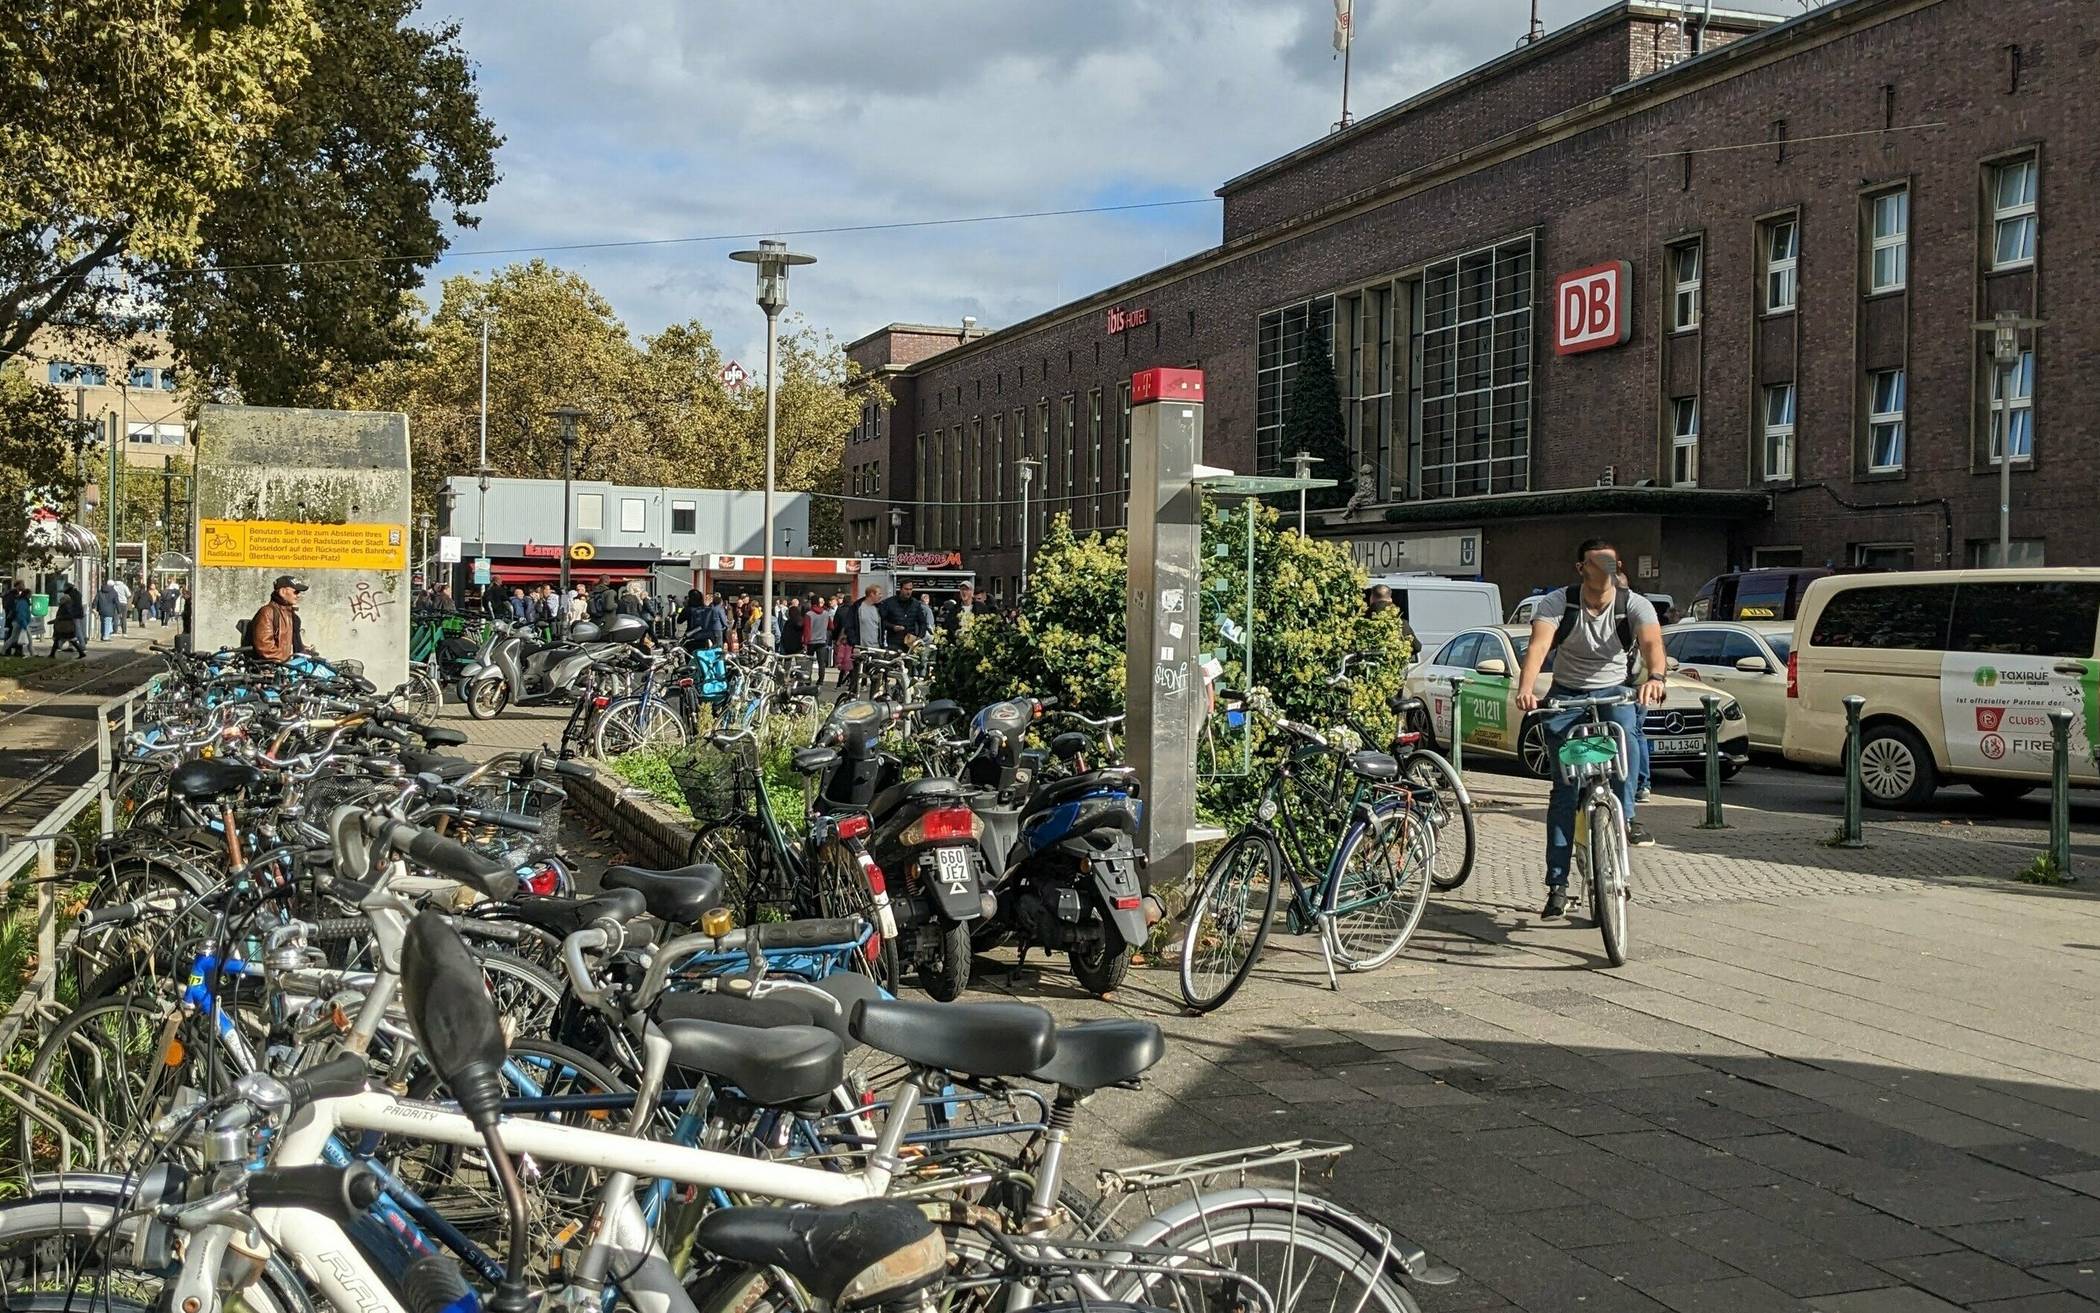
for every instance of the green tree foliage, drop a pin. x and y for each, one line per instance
(1307, 613)
(37, 452)
(382, 143)
(1313, 424)
(144, 142)
(656, 414)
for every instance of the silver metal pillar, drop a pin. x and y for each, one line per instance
(1164, 610)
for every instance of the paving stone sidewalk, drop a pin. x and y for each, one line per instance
(1847, 1081)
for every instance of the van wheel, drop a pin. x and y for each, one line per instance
(1895, 767)
(1531, 750)
(2004, 790)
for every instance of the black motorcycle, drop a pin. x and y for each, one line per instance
(1060, 842)
(921, 836)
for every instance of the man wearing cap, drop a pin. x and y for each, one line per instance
(274, 632)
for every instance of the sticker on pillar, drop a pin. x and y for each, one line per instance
(1171, 601)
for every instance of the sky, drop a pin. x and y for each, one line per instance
(652, 119)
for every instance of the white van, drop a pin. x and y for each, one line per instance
(1959, 669)
(1439, 609)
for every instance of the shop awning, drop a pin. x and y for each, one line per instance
(62, 537)
(580, 572)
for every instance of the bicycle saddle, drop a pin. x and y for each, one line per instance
(435, 763)
(971, 1039)
(201, 781)
(1371, 764)
(441, 736)
(829, 1009)
(1094, 1055)
(679, 896)
(853, 1254)
(775, 1067)
(565, 916)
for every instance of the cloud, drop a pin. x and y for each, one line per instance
(672, 118)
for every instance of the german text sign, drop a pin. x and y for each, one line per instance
(285, 545)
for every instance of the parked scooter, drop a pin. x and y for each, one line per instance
(1060, 841)
(921, 835)
(514, 667)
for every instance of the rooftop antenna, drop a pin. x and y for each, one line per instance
(1538, 29)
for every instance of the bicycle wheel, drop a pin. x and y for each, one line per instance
(119, 1062)
(1380, 885)
(841, 890)
(1608, 883)
(1453, 816)
(73, 1252)
(1307, 1262)
(637, 726)
(1228, 920)
(527, 995)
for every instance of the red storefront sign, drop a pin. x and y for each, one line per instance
(550, 550)
(1121, 320)
(1166, 385)
(1590, 308)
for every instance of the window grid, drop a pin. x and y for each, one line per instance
(1782, 265)
(1685, 269)
(919, 480)
(2013, 188)
(1093, 458)
(1364, 320)
(1068, 451)
(1885, 425)
(1280, 340)
(1889, 259)
(1476, 372)
(2020, 409)
(1684, 442)
(1779, 431)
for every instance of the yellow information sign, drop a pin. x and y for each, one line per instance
(285, 545)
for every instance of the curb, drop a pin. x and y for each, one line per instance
(650, 833)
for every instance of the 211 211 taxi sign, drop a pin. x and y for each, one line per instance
(1591, 309)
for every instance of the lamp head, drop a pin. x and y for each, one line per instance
(773, 259)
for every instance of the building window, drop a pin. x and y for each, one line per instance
(167, 379)
(918, 470)
(1476, 351)
(1094, 454)
(81, 376)
(1684, 441)
(1685, 261)
(1067, 458)
(1366, 344)
(2019, 409)
(1890, 258)
(1764, 557)
(1779, 431)
(1782, 265)
(683, 517)
(976, 476)
(995, 495)
(140, 376)
(2013, 185)
(1883, 556)
(1885, 420)
(2025, 554)
(590, 511)
(142, 433)
(1123, 399)
(633, 515)
(1279, 344)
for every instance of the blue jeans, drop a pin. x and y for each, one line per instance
(1560, 809)
(1643, 760)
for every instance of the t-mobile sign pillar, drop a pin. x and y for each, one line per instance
(1165, 694)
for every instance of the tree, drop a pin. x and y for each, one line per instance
(383, 141)
(265, 176)
(38, 453)
(1313, 424)
(1307, 602)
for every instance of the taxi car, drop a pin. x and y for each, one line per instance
(1489, 658)
(1743, 658)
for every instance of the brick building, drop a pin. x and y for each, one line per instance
(1783, 231)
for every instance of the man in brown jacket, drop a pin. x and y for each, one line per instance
(274, 632)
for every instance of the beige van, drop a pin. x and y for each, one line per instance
(1959, 669)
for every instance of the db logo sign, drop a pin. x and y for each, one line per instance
(1591, 308)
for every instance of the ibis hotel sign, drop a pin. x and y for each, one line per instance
(1122, 321)
(1592, 308)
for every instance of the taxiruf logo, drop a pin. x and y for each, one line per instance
(1590, 308)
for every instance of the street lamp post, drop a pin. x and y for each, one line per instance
(773, 260)
(1301, 465)
(423, 565)
(567, 416)
(2005, 329)
(896, 527)
(1026, 468)
(481, 532)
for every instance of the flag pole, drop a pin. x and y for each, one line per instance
(1344, 37)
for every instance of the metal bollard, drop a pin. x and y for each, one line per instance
(1849, 836)
(1713, 821)
(1458, 738)
(2060, 790)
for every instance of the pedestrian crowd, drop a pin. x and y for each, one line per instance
(73, 619)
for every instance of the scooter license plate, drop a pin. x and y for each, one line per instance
(951, 866)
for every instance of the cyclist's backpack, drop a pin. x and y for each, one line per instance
(1572, 616)
(714, 672)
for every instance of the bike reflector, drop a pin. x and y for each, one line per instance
(852, 827)
(1129, 904)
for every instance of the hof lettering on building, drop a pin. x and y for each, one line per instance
(1590, 308)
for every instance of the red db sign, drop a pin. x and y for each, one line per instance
(1590, 308)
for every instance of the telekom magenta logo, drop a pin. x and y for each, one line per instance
(1590, 308)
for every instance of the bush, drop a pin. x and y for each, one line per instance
(1307, 612)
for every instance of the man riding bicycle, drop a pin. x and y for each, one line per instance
(1593, 633)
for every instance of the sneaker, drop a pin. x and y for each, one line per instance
(1643, 793)
(1637, 835)
(1556, 903)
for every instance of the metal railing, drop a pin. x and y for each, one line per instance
(40, 847)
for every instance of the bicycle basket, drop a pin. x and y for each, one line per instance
(1587, 747)
(715, 781)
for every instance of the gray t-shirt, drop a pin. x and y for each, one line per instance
(1592, 658)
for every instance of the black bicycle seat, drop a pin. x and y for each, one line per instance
(846, 1256)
